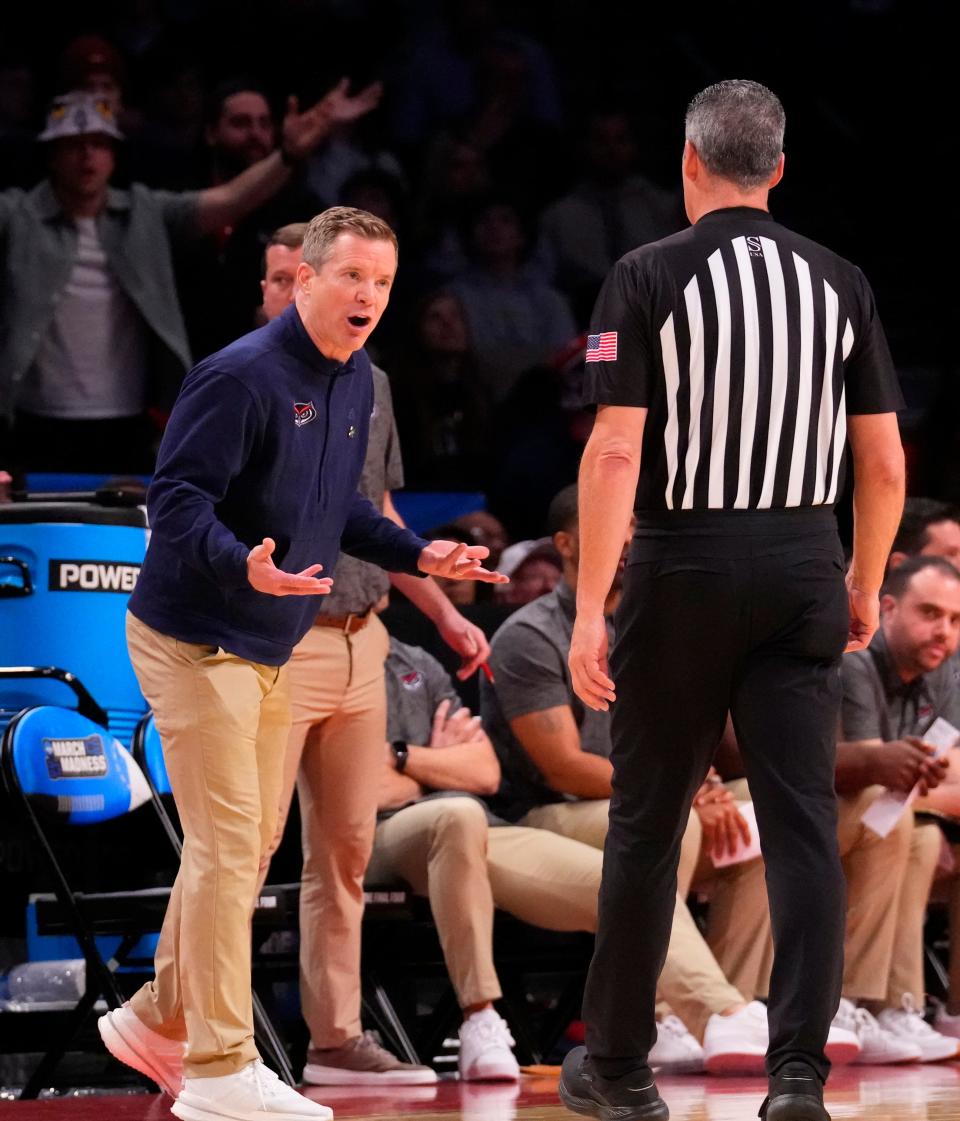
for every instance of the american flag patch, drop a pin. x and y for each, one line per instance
(602, 348)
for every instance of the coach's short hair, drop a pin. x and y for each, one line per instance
(325, 228)
(737, 129)
(899, 579)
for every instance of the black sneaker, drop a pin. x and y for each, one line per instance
(795, 1094)
(611, 1099)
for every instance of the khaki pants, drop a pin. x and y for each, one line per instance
(888, 885)
(906, 966)
(699, 977)
(874, 867)
(223, 723)
(333, 756)
(444, 849)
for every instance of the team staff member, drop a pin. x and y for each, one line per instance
(339, 709)
(739, 356)
(267, 437)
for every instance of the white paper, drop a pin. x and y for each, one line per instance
(742, 851)
(887, 810)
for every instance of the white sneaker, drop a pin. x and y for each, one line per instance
(252, 1094)
(129, 1039)
(486, 1053)
(737, 1044)
(908, 1023)
(877, 1046)
(676, 1051)
(944, 1023)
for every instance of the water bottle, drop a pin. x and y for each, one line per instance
(43, 985)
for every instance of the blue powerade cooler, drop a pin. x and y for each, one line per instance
(66, 573)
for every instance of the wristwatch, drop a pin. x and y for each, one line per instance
(401, 753)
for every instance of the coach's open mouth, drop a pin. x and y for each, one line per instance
(358, 320)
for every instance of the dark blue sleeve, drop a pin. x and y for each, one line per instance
(212, 431)
(370, 536)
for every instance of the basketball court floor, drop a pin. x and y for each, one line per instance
(911, 1093)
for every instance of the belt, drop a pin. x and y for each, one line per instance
(348, 624)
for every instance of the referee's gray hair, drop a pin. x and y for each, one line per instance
(737, 129)
(323, 230)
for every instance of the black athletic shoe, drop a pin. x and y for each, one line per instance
(795, 1094)
(610, 1099)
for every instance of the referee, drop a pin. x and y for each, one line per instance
(730, 364)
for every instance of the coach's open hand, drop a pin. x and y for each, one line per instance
(452, 560)
(264, 575)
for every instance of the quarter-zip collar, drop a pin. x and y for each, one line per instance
(306, 349)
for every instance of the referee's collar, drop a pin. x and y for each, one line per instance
(753, 212)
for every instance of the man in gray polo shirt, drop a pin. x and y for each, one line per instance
(555, 751)
(437, 834)
(892, 692)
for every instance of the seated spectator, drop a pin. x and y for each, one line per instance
(612, 210)
(557, 776)
(240, 133)
(168, 150)
(436, 833)
(928, 528)
(931, 528)
(539, 432)
(892, 692)
(383, 193)
(442, 410)
(18, 145)
(442, 78)
(520, 150)
(458, 596)
(485, 529)
(93, 64)
(515, 319)
(534, 568)
(455, 180)
(93, 333)
(351, 150)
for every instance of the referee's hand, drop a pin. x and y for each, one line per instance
(864, 616)
(264, 575)
(588, 662)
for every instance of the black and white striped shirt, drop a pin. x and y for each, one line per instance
(749, 345)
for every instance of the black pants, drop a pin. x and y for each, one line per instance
(745, 613)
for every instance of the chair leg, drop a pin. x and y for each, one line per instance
(270, 1043)
(443, 1021)
(382, 1010)
(56, 1051)
(936, 968)
(527, 1051)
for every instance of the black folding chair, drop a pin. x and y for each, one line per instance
(72, 783)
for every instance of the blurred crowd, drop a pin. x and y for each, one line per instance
(515, 164)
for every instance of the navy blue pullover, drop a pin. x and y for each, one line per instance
(267, 439)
